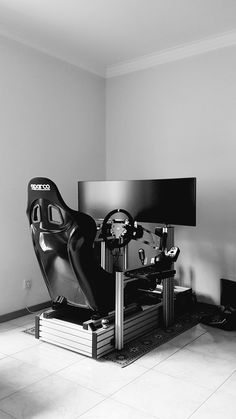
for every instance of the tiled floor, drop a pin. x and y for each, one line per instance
(193, 376)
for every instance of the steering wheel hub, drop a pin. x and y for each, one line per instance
(117, 228)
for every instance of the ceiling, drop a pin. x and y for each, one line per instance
(99, 35)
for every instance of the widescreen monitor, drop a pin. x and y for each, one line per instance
(160, 201)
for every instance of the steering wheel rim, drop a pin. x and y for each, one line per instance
(127, 235)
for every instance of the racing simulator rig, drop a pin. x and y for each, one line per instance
(109, 276)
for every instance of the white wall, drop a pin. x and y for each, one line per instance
(178, 120)
(52, 124)
(173, 120)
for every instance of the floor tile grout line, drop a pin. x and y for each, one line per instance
(201, 353)
(178, 350)
(169, 356)
(102, 394)
(45, 369)
(198, 352)
(119, 402)
(138, 410)
(185, 380)
(90, 408)
(81, 385)
(28, 347)
(227, 379)
(47, 376)
(186, 344)
(211, 395)
(29, 385)
(24, 387)
(132, 380)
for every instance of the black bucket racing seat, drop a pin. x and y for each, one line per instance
(63, 242)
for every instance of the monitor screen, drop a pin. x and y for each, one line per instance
(161, 201)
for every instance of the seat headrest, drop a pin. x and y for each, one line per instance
(46, 209)
(44, 188)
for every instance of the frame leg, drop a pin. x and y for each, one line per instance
(119, 311)
(168, 301)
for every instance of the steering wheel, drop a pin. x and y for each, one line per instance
(117, 228)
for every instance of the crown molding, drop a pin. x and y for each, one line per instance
(179, 52)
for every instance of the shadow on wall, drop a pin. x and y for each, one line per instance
(187, 277)
(208, 251)
(205, 258)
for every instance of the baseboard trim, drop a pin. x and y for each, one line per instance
(24, 311)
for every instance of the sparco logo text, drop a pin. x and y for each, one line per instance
(40, 187)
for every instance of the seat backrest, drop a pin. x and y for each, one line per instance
(63, 242)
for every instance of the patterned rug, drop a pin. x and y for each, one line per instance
(144, 344)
